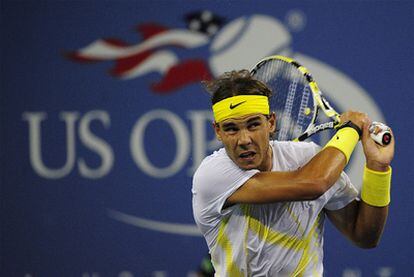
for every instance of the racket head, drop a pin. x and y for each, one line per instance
(294, 95)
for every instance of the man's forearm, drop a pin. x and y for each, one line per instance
(325, 168)
(373, 209)
(369, 225)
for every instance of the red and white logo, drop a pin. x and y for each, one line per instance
(236, 45)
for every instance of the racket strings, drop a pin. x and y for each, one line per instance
(291, 101)
(304, 110)
(287, 111)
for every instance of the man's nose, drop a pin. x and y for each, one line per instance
(244, 138)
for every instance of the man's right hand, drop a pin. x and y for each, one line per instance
(358, 118)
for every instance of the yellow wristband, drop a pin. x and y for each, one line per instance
(376, 187)
(345, 141)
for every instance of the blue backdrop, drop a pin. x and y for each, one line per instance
(103, 121)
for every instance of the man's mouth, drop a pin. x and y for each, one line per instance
(248, 155)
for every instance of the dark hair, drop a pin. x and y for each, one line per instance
(234, 83)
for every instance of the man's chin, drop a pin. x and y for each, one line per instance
(248, 166)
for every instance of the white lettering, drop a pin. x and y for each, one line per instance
(35, 143)
(351, 272)
(159, 273)
(200, 122)
(96, 144)
(182, 143)
(125, 274)
(385, 272)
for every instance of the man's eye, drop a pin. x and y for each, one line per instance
(254, 125)
(230, 129)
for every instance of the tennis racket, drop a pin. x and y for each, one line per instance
(297, 100)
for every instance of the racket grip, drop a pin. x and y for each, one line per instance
(380, 133)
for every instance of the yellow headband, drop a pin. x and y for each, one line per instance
(240, 105)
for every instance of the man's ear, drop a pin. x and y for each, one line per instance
(272, 123)
(217, 130)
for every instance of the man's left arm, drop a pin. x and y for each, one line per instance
(363, 221)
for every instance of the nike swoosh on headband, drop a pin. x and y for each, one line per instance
(236, 105)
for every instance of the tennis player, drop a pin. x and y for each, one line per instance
(261, 204)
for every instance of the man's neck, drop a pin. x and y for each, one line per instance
(268, 165)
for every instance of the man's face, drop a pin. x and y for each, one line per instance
(246, 140)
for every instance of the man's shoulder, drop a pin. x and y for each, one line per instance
(213, 162)
(292, 153)
(295, 145)
(217, 156)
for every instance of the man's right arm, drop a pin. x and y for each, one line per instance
(306, 183)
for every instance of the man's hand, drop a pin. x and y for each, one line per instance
(357, 118)
(378, 157)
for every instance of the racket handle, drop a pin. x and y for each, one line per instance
(383, 136)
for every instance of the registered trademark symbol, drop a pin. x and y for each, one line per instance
(295, 20)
